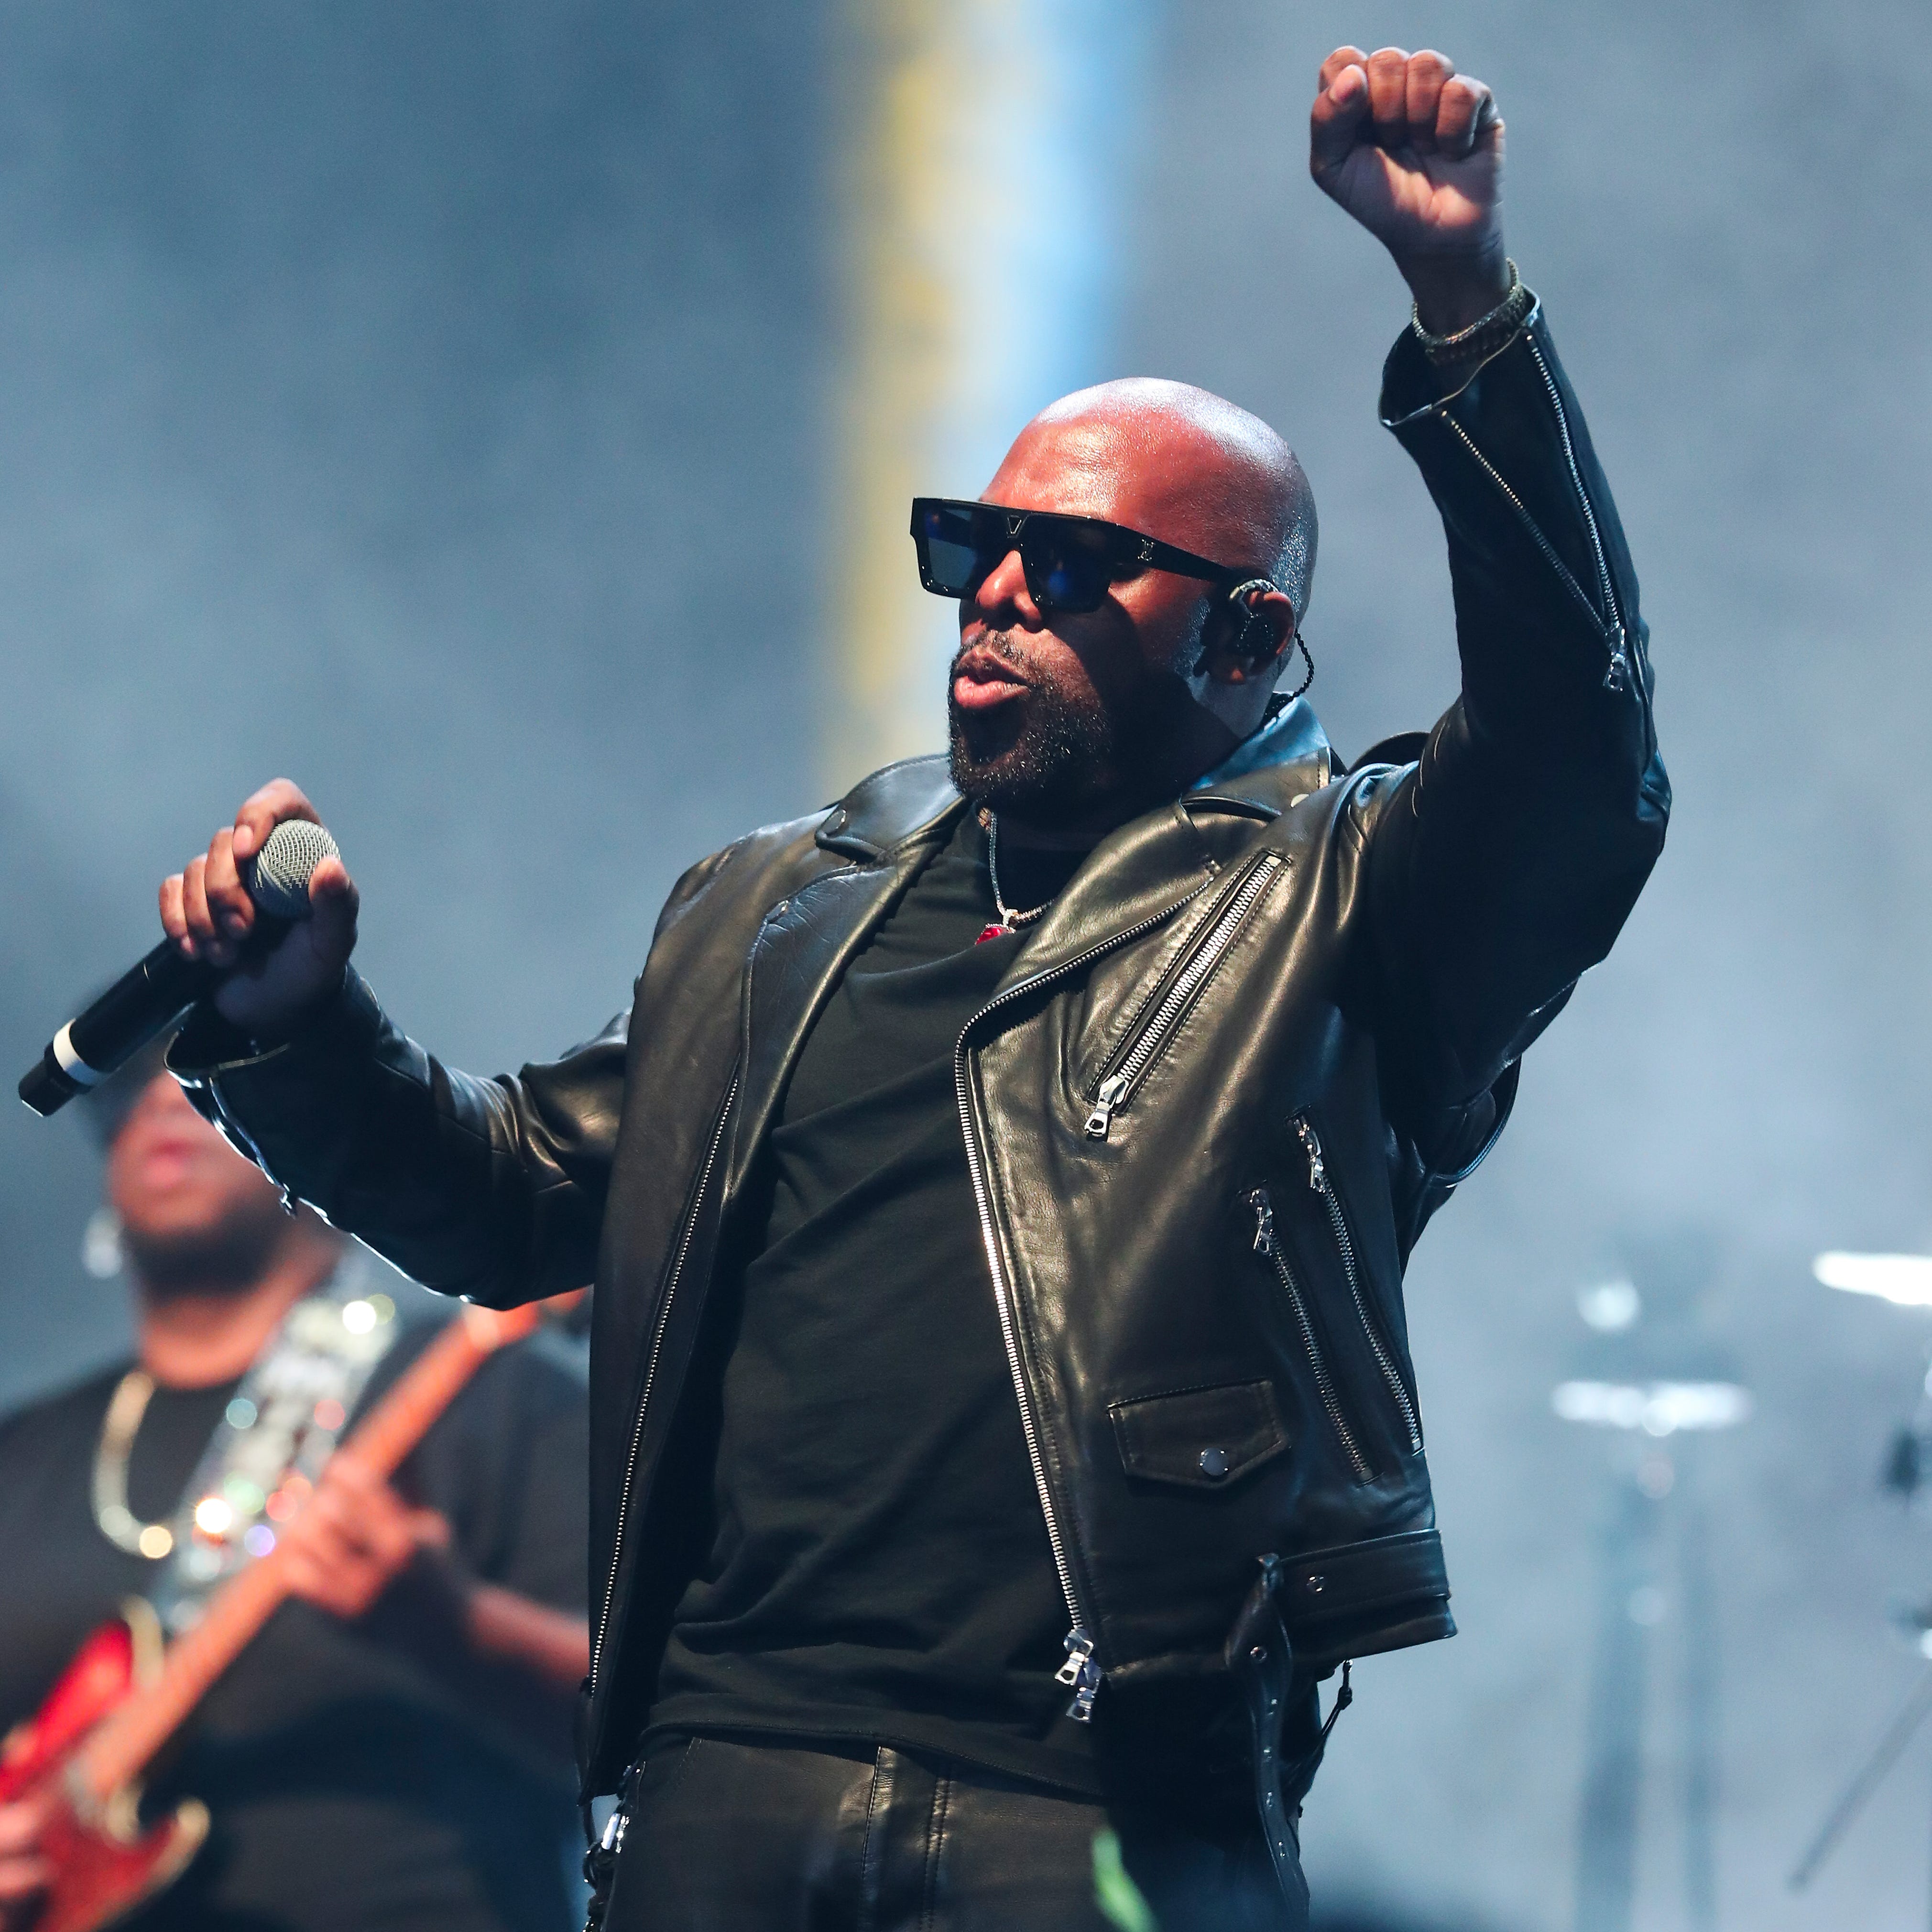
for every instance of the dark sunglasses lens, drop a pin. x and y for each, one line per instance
(954, 561)
(1070, 565)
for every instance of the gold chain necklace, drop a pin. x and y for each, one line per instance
(117, 1521)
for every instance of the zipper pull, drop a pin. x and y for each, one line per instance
(615, 1826)
(1311, 1143)
(1617, 677)
(1107, 1099)
(1264, 1221)
(1080, 1675)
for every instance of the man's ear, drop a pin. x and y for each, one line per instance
(1247, 634)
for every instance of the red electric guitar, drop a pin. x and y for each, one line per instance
(124, 1696)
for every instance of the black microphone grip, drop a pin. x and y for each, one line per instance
(117, 1025)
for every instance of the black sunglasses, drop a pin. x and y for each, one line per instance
(1069, 562)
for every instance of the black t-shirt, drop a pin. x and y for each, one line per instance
(881, 1568)
(351, 1784)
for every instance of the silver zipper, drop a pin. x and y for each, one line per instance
(1269, 1248)
(1143, 1045)
(1082, 1673)
(1616, 677)
(1318, 1179)
(690, 1229)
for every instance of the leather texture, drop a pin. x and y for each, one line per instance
(1262, 1659)
(721, 1833)
(1286, 957)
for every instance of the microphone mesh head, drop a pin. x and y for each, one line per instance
(278, 876)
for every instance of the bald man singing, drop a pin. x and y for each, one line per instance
(998, 1193)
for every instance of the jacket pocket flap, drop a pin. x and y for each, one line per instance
(1201, 1438)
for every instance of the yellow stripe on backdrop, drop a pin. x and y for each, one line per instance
(985, 182)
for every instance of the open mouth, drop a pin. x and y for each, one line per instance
(980, 681)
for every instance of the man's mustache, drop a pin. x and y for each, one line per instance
(995, 644)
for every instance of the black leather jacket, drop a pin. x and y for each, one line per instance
(1250, 1049)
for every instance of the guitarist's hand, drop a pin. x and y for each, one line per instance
(358, 1547)
(23, 1872)
(354, 1537)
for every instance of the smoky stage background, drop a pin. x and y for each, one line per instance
(469, 412)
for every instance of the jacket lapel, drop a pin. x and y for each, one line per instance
(1144, 870)
(896, 820)
(803, 947)
(1157, 863)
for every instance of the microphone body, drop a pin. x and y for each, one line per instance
(114, 1026)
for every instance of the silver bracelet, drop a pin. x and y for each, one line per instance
(1487, 333)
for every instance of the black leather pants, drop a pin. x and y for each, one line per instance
(739, 1837)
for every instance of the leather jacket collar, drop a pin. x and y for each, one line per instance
(915, 799)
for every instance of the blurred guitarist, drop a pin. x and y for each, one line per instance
(393, 1749)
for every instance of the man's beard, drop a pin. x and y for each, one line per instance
(228, 1257)
(1043, 756)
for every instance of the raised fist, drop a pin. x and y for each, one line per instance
(1414, 150)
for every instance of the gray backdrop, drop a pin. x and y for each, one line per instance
(397, 395)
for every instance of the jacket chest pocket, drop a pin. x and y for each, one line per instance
(1301, 1238)
(1174, 995)
(1200, 1438)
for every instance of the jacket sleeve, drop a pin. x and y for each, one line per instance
(1504, 862)
(492, 1189)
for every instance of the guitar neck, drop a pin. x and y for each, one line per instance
(124, 1744)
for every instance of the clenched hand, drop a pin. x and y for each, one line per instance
(1414, 150)
(205, 910)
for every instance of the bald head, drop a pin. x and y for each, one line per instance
(1182, 464)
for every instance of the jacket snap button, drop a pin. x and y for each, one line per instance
(1214, 1463)
(1314, 1584)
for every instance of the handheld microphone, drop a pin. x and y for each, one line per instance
(138, 1004)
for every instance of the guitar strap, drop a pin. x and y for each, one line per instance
(279, 1427)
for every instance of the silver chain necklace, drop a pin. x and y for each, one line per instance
(1010, 921)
